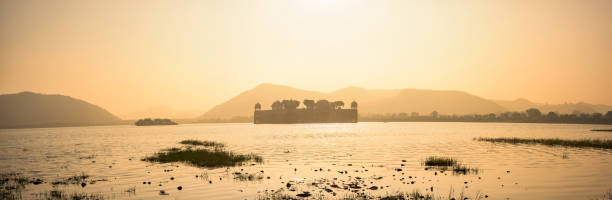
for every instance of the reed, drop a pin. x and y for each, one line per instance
(205, 143)
(61, 195)
(439, 161)
(591, 143)
(203, 157)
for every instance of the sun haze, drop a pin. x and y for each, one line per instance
(128, 56)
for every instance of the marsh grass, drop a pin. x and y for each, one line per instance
(11, 185)
(448, 163)
(203, 175)
(76, 179)
(463, 169)
(439, 161)
(247, 177)
(202, 157)
(89, 157)
(61, 195)
(202, 143)
(415, 195)
(591, 143)
(564, 155)
(131, 190)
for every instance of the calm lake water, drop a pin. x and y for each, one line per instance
(304, 154)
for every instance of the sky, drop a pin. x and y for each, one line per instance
(129, 56)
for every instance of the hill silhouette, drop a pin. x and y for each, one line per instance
(242, 105)
(426, 101)
(391, 101)
(28, 109)
(580, 107)
(370, 101)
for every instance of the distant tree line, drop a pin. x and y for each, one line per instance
(151, 122)
(240, 119)
(531, 115)
(308, 103)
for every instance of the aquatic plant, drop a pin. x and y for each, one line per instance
(203, 157)
(11, 185)
(203, 143)
(439, 161)
(592, 143)
(61, 195)
(463, 169)
(247, 177)
(131, 190)
(76, 179)
(448, 163)
(88, 157)
(414, 195)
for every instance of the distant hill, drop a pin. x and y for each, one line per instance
(581, 107)
(370, 101)
(426, 101)
(28, 109)
(243, 104)
(161, 112)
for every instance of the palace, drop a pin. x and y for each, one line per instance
(323, 111)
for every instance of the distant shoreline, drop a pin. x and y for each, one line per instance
(59, 125)
(131, 122)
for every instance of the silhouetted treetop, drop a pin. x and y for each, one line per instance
(533, 113)
(322, 104)
(290, 104)
(309, 103)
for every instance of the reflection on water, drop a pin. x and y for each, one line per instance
(320, 159)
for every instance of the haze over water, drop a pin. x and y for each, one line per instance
(148, 86)
(111, 155)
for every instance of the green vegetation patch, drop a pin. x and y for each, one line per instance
(415, 195)
(76, 179)
(202, 157)
(61, 195)
(439, 161)
(448, 163)
(247, 177)
(12, 184)
(202, 143)
(592, 143)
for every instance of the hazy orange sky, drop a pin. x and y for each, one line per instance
(127, 56)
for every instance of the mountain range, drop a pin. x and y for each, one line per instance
(389, 101)
(28, 109)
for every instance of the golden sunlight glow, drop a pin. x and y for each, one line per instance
(192, 55)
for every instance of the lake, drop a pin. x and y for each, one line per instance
(312, 157)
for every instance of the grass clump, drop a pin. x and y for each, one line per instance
(439, 161)
(202, 143)
(203, 157)
(247, 177)
(592, 143)
(11, 185)
(463, 169)
(76, 179)
(415, 195)
(448, 163)
(61, 195)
